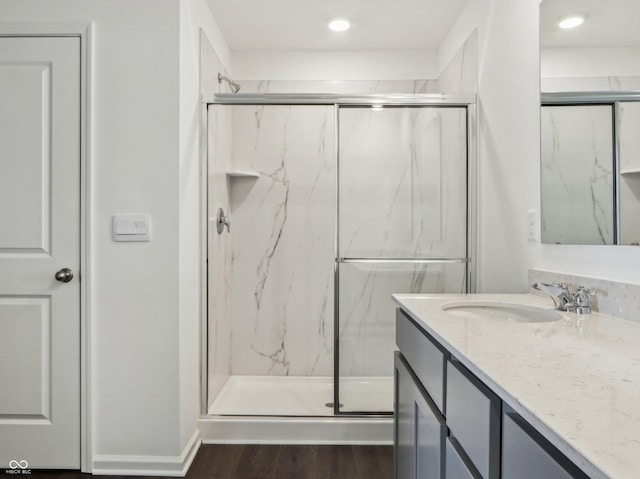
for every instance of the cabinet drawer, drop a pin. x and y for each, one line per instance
(528, 455)
(473, 417)
(425, 358)
(455, 466)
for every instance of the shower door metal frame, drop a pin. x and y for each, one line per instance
(470, 273)
(466, 101)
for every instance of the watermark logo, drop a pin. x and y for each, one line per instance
(18, 467)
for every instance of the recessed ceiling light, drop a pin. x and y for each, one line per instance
(571, 21)
(377, 107)
(339, 24)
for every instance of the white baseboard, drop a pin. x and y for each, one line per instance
(293, 430)
(148, 465)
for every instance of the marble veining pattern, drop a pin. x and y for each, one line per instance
(577, 175)
(412, 201)
(575, 380)
(621, 300)
(589, 84)
(339, 86)
(279, 319)
(461, 74)
(629, 123)
(282, 240)
(367, 318)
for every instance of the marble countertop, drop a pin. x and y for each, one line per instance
(576, 380)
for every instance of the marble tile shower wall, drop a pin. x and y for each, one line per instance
(283, 241)
(577, 174)
(339, 87)
(219, 252)
(367, 313)
(411, 201)
(459, 76)
(403, 185)
(587, 84)
(629, 184)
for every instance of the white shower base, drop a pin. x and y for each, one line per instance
(300, 396)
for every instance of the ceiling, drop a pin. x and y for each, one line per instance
(610, 23)
(301, 24)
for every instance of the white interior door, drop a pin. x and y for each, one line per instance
(39, 236)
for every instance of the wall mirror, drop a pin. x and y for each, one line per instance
(590, 122)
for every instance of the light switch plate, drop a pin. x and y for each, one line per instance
(131, 228)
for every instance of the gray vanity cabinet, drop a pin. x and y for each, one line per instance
(420, 428)
(469, 433)
(526, 454)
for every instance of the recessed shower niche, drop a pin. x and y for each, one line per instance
(345, 205)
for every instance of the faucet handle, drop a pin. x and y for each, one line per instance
(581, 299)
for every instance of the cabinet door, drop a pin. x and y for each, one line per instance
(528, 455)
(431, 432)
(405, 453)
(457, 466)
(473, 417)
(419, 428)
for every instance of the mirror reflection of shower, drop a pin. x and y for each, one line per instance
(235, 88)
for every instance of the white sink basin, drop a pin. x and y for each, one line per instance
(512, 312)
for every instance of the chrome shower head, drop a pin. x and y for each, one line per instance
(235, 88)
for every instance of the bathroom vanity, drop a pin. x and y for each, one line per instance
(480, 393)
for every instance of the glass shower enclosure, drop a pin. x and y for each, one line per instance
(335, 204)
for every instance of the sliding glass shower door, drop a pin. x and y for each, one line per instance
(402, 228)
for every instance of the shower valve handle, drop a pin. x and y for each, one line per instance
(222, 221)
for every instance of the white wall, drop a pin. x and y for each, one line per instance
(509, 136)
(144, 316)
(134, 165)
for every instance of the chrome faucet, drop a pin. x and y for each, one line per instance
(564, 300)
(560, 294)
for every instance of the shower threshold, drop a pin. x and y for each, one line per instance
(301, 396)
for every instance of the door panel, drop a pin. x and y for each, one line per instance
(29, 358)
(40, 234)
(26, 112)
(402, 182)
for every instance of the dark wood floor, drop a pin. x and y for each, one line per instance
(278, 462)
